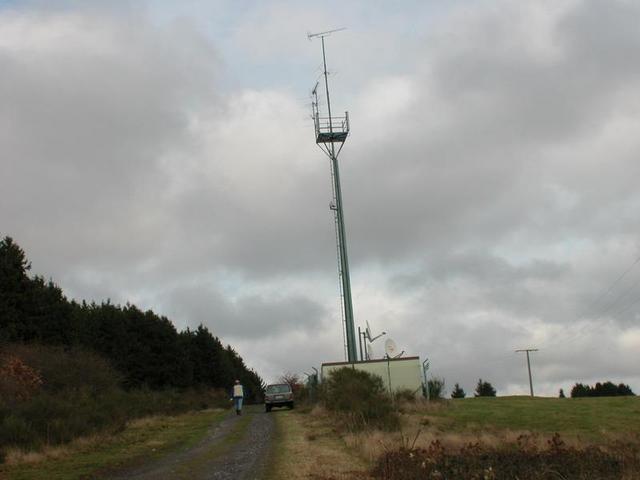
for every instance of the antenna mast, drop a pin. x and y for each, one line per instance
(330, 131)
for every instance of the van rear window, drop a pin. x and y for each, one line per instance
(278, 389)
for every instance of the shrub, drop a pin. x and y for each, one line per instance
(14, 431)
(67, 369)
(306, 394)
(18, 381)
(484, 389)
(360, 397)
(436, 388)
(405, 395)
(473, 461)
(458, 392)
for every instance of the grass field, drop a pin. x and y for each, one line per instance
(510, 437)
(586, 418)
(494, 425)
(85, 458)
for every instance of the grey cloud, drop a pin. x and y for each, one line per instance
(249, 317)
(479, 147)
(487, 267)
(91, 105)
(500, 183)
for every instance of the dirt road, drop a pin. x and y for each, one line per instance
(236, 448)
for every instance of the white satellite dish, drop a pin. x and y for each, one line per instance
(390, 348)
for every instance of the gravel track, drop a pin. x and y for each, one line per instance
(236, 448)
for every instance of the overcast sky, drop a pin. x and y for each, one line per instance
(162, 153)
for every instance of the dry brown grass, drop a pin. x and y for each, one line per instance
(420, 431)
(144, 422)
(309, 447)
(16, 456)
(523, 461)
(421, 405)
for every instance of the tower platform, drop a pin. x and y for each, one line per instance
(332, 129)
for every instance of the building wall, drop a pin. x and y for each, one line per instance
(404, 373)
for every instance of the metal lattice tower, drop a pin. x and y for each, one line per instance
(331, 133)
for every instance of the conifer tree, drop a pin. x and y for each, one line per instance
(458, 392)
(143, 346)
(484, 389)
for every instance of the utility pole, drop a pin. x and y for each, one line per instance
(527, 350)
(425, 367)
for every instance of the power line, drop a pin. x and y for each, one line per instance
(606, 308)
(625, 309)
(613, 284)
(618, 298)
(598, 322)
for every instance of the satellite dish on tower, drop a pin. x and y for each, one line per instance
(390, 348)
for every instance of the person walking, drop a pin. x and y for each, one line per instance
(238, 395)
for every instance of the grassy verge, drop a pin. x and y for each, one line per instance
(307, 446)
(57, 418)
(88, 457)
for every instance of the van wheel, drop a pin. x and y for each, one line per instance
(291, 406)
(267, 408)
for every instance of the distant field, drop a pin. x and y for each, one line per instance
(586, 418)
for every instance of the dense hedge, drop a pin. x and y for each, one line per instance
(49, 395)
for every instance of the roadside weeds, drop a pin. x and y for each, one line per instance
(307, 446)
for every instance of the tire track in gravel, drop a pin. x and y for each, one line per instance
(236, 448)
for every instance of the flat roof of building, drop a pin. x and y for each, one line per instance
(331, 364)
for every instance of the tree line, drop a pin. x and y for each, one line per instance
(605, 389)
(143, 346)
(483, 389)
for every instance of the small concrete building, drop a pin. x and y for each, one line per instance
(403, 373)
